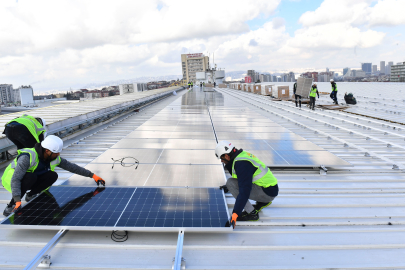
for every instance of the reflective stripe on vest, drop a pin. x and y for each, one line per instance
(262, 176)
(256, 164)
(9, 172)
(55, 163)
(33, 126)
(37, 129)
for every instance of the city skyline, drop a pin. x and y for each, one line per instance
(68, 44)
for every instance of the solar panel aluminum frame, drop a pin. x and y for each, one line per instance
(121, 228)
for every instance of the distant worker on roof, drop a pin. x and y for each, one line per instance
(312, 96)
(333, 94)
(34, 169)
(251, 179)
(25, 131)
(297, 97)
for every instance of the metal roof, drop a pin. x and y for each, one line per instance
(348, 217)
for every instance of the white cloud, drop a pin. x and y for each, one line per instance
(387, 13)
(57, 44)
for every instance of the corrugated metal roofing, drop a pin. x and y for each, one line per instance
(339, 220)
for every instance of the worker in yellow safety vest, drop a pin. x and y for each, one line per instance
(25, 131)
(251, 179)
(312, 96)
(34, 169)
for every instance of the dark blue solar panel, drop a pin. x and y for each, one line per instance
(124, 207)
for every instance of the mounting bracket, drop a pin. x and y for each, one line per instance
(323, 170)
(42, 259)
(46, 262)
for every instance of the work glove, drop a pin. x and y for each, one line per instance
(98, 180)
(232, 221)
(225, 188)
(17, 207)
(98, 190)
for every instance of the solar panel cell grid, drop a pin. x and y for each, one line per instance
(123, 207)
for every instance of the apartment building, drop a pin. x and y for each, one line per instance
(193, 63)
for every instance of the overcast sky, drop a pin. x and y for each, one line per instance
(57, 44)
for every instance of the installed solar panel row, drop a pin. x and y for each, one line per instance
(116, 207)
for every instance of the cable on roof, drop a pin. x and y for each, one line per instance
(126, 162)
(117, 237)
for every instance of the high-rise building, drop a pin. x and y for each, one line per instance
(382, 67)
(264, 77)
(6, 93)
(252, 74)
(325, 76)
(193, 63)
(274, 78)
(291, 77)
(398, 72)
(366, 67)
(388, 68)
(257, 75)
(345, 70)
(374, 69)
(327, 69)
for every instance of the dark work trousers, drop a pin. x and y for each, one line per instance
(333, 96)
(256, 193)
(36, 183)
(312, 103)
(296, 102)
(20, 136)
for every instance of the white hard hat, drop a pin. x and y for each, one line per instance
(223, 147)
(53, 144)
(331, 80)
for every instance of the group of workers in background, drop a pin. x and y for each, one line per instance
(313, 93)
(33, 170)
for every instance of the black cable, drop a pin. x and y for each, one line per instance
(130, 161)
(116, 237)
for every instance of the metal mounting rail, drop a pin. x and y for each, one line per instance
(396, 165)
(179, 261)
(43, 254)
(353, 131)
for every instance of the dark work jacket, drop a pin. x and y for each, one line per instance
(43, 165)
(295, 88)
(245, 171)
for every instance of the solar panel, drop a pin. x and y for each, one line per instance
(271, 143)
(162, 175)
(131, 209)
(304, 86)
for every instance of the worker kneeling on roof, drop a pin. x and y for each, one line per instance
(34, 169)
(25, 131)
(251, 179)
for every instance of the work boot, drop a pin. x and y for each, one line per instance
(29, 196)
(260, 205)
(252, 216)
(9, 208)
